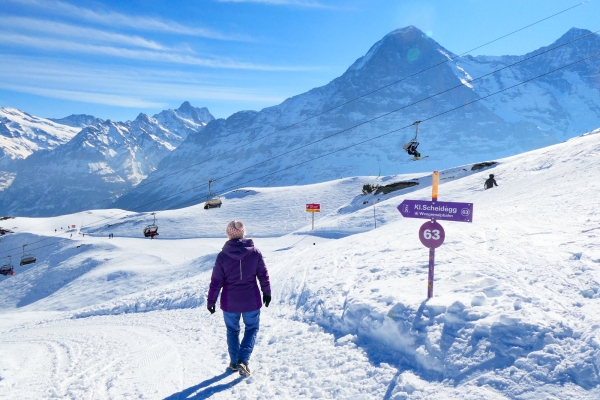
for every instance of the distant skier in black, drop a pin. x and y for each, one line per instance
(490, 182)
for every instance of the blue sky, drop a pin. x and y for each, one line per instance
(115, 59)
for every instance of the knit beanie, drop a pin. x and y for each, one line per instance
(236, 230)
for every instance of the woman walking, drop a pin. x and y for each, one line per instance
(236, 270)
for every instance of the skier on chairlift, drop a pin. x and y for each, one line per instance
(411, 147)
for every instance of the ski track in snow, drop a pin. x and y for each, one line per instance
(515, 312)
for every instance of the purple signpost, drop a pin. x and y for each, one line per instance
(432, 234)
(442, 210)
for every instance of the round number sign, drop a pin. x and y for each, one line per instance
(431, 234)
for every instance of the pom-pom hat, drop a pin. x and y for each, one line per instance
(236, 230)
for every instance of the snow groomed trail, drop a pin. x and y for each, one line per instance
(515, 313)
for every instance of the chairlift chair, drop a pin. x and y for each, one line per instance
(151, 230)
(27, 258)
(411, 147)
(212, 200)
(7, 269)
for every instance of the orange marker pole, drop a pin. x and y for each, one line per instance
(434, 196)
(434, 185)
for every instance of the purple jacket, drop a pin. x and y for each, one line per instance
(236, 269)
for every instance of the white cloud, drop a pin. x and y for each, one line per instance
(76, 32)
(86, 97)
(50, 44)
(297, 3)
(112, 18)
(114, 85)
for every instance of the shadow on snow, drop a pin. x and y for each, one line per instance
(193, 391)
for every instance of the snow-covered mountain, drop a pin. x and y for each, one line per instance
(541, 112)
(100, 162)
(78, 120)
(22, 134)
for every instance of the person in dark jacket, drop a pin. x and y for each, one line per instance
(411, 149)
(490, 182)
(236, 270)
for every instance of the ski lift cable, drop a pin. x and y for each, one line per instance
(399, 129)
(376, 137)
(367, 94)
(363, 95)
(404, 107)
(346, 102)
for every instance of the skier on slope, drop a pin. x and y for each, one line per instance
(238, 266)
(490, 182)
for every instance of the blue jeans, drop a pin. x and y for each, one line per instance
(241, 352)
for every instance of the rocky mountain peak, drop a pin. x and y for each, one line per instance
(401, 49)
(78, 120)
(575, 33)
(198, 115)
(142, 118)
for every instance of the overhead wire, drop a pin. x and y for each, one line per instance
(359, 97)
(461, 85)
(337, 133)
(399, 129)
(337, 106)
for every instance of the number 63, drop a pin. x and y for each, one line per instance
(431, 234)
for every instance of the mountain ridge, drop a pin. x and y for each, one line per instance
(100, 162)
(537, 114)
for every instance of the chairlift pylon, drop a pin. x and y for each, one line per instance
(151, 230)
(7, 269)
(27, 258)
(212, 200)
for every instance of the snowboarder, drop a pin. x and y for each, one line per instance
(236, 270)
(490, 182)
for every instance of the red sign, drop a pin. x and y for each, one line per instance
(313, 208)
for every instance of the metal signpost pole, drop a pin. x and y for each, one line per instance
(313, 208)
(434, 197)
(374, 218)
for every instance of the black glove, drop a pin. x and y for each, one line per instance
(266, 300)
(211, 309)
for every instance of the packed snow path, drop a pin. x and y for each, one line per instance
(515, 312)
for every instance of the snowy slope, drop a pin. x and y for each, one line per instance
(515, 312)
(539, 113)
(99, 164)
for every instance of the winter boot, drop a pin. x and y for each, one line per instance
(243, 368)
(233, 367)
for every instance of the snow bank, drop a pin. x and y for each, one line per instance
(188, 294)
(183, 293)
